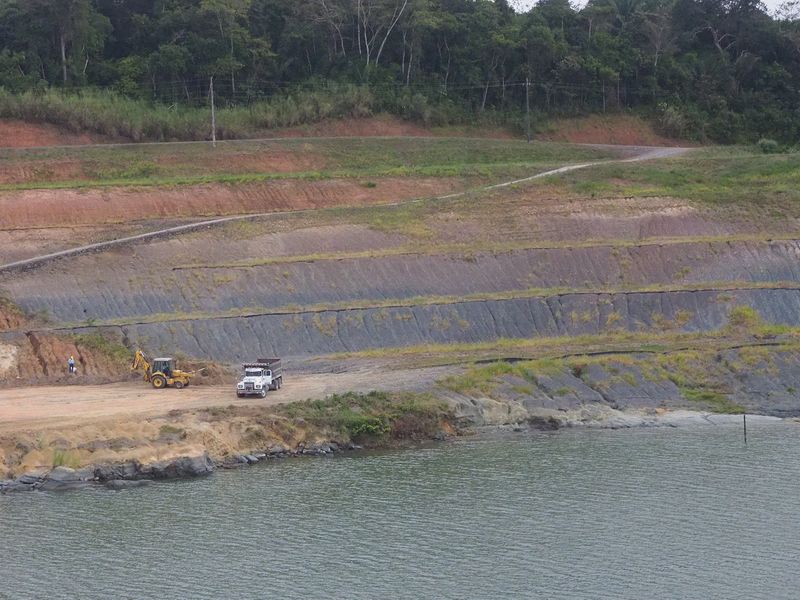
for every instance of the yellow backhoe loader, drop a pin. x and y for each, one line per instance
(162, 372)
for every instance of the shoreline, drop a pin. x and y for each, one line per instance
(133, 473)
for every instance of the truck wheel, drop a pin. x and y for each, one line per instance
(263, 393)
(179, 385)
(238, 395)
(159, 382)
(280, 382)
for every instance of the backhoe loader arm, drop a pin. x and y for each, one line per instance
(140, 362)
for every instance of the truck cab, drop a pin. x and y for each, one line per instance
(259, 377)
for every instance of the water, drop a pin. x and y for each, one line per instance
(639, 514)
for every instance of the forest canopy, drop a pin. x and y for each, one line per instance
(724, 70)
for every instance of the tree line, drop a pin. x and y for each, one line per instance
(724, 70)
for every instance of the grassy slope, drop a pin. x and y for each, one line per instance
(240, 162)
(718, 176)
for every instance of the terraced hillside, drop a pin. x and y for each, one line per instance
(341, 260)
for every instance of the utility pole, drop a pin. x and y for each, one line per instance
(528, 108)
(213, 114)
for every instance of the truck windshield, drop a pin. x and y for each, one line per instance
(252, 373)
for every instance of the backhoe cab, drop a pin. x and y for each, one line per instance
(162, 372)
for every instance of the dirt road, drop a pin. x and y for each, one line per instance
(60, 406)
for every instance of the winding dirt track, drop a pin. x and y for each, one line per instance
(641, 153)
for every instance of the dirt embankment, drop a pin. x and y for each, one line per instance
(53, 208)
(385, 126)
(121, 422)
(21, 134)
(228, 161)
(625, 130)
(38, 357)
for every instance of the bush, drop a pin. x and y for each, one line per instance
(62, 458)
(370, 417)
(744, 317)
(768, 146)
(671, 121)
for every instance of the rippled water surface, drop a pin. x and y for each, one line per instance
(688, 513)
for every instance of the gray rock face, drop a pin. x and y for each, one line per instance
(128, 470)
(187, 466)
(759, 380)
(31, 478)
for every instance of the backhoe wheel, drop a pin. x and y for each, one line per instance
(179, 385)
(159, 382)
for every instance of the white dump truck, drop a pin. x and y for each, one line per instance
(259, 377)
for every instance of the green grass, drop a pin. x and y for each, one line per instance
(714, 176)
(99, 343)
(319, 158)
(63, 458)
(372, 417)
(715, 400)
(114, 115)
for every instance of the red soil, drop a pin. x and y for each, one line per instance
(383, 125)
(610, 129)
(45, 356)
(266, 161)
(10, 318)
(19, 134)
(48, 208)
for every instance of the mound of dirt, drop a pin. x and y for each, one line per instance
(606, 129)
(20, 134)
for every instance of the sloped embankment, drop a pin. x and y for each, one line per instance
(591, 390)
(59, 207)
(120, 287)
(308, 334)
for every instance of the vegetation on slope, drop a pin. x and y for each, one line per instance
(719, 176)
(734, 77)
(310, 159)
(372, 417)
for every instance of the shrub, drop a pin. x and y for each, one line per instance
(768, 146)
(62, 458)
(671, 121)
(744, 317)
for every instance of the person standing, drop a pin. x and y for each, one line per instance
(71, 364)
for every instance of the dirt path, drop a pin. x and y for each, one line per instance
(62, 406)
(640, 153)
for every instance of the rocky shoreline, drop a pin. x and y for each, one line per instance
(132, 474)
(135, 474)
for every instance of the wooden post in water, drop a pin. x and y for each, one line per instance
(744, 424)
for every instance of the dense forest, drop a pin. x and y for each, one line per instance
(724, 70)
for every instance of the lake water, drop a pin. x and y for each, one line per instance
(634, 514)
